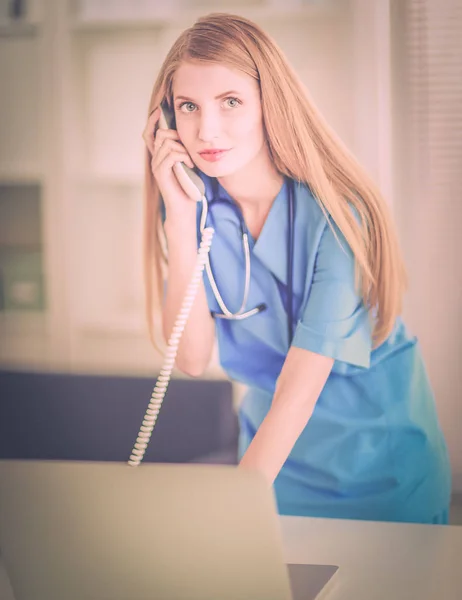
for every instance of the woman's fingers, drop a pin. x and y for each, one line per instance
(166, 150)
(165, 161)
(165, 146)
(150, 135)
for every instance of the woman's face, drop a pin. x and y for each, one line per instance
(218, 108)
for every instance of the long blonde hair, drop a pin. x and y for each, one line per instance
(301, 146)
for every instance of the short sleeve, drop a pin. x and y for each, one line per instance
(334, 321)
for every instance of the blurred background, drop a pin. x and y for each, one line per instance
(75, 81)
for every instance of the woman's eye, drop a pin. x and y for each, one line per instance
(232, 102)
(187, 107)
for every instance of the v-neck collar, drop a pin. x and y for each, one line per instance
(271, 245)
(269, 255)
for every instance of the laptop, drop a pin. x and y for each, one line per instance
(108, 531)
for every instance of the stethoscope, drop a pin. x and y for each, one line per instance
(242, 313)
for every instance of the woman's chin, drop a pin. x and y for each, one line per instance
(216, 169)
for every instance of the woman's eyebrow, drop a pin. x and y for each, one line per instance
(216, 97)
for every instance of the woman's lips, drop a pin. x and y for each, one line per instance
(213, 155)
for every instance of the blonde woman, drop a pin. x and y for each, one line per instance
(305, 288)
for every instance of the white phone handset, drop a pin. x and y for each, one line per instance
(191, 183)
(194, 187)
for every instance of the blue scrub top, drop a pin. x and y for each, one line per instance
(373, 448)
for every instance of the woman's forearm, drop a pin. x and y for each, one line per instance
(275, 439)
(302, 378)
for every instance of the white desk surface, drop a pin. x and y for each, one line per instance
(378, 561)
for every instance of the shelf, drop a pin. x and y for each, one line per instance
(178, 17)
(126, 324)
(20, 175)
(10, 28)
(131, 180)
(23, 323)
(21, 247)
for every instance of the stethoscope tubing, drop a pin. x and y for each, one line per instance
(242, 313)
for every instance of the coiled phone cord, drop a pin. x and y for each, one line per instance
(160, 388)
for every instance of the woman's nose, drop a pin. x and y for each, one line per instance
(209, 127)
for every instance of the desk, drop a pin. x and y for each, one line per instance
(378, 561)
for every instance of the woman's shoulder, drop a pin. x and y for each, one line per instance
(316, 218)
(308, 203)
(308, 210)
(315, 222)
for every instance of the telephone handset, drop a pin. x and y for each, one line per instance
(189, 180)
(194, 187)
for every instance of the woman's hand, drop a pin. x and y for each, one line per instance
(166, 150)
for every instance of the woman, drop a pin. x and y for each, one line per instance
(339, 413)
